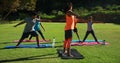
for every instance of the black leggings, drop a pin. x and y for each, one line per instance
(87, 33)
(40, 34)
(68, 34)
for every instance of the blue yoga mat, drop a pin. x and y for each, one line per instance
(31, 46)
(87, 41)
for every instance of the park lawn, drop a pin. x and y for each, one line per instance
(93, 54)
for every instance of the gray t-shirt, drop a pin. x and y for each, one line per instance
(89, 26)
(30, 23)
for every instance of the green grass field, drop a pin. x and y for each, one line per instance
(93, 54)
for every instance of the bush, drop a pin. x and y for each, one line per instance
(98, 8)
(107, 16)
(113, 7)
(81, 11)
(45, 16)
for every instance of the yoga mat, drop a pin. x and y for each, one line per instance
(74, 52)
(88, 43)
(31, 46)
(48, 40)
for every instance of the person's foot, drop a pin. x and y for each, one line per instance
(38, 46)
(28, 40)
(16, 46)
(67, 54)
(64, 54)
(65, 51)
(70, 55)
(83, 41)
(98, 42)
(44, 40)
(80, 41)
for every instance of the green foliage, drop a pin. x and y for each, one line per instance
(98, 8)
(22, 15)
(9, 5)
(107, 16)
(55, 14)
(45, 16)
(81, 11)
(53, 9)
(100, 14)
(60, 13)
(28, 5)
(113, 7)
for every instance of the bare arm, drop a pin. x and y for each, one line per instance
(71, 13)
(94, 21)
(79, 19)
(41, 24)
(19, 23)
(98, 22)
(82, 20)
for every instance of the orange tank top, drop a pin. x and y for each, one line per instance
(70, 22)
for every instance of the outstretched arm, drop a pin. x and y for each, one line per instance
(98, 22)
(72, 13)
(19, 23)
(82, 20)
(79, 19)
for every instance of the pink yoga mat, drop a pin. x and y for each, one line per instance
(88, 43)
(48, 40)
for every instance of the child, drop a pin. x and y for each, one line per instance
(90, 29)
(37, 27)
(28, 30)
(70, 26)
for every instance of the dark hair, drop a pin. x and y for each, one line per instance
(89, 17)
(67, 7)
(37, 16)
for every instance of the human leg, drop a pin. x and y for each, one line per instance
(30, 37)
(92, 32)
(86, 35)
(41, 35)
(67, 42)
(34, 34)
(69, 48)
(76, 31)
(94, 37)
(21, 39)
(24, 35)
(37, 39)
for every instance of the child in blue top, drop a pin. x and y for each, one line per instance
(37, 27)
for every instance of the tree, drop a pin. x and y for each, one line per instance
(13, 8)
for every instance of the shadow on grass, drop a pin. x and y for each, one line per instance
(5, 42)
(57, 46)
(27, 42)
(47, 56)
(60, 46)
